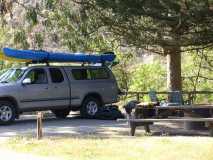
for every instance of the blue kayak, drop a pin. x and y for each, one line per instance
(44, 56)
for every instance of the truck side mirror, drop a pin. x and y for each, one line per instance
(26, 81)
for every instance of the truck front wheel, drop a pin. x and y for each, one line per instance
(62, 113)
(7, 113)
(90, 107)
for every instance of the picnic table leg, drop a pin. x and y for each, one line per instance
(156, 112)
(210, 126)
(147, 129)
(211, 132)
(132, 128)
(132, 125)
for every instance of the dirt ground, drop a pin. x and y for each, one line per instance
(75, 126)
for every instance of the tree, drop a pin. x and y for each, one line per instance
(52, 24)
(167, 27)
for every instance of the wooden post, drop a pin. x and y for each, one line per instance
(189, 97)
(138, 96)
(39, 125)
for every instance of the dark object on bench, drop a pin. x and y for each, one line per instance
(130, 106)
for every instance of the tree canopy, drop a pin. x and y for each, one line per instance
(139, 23)
(164, 23)
(166, 27)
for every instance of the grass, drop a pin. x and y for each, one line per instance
(139, 148)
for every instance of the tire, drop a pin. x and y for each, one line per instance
(90, 107)
(7, 113)
(61, 114)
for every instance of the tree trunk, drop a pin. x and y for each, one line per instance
(174, 80)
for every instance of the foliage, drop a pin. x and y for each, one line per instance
(86, 25)
(148, 76)
(164, 23)
(31, 16)
(20, 39)
(197, 74)
(166, 27)
(77, 30)
(58, 24)
(104, 25)
(122, 70)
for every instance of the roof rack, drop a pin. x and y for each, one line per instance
(47, 63)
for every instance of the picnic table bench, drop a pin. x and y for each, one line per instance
(189, 110)
(146, 122)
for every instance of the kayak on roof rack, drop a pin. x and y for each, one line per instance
(3, 57)
(44, 56)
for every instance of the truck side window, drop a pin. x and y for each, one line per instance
(37, 76)
(80, 74)
(99, 73)
(56, 75)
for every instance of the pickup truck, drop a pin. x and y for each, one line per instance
(56, 88)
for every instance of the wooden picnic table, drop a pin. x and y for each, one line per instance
(170, 106)
(146, 114)
(189, 110)
(186, 107)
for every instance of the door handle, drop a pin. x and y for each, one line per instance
(46, 88)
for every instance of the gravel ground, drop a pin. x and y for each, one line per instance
(75, 126)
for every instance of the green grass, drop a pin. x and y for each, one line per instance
(140, 148)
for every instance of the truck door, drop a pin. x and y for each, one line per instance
(104, 83)
(59, 88)
(35, 94)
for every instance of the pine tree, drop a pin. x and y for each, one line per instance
(167, 27)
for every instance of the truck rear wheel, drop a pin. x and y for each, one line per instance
(62, 113)
(7, 112)
(90, 107)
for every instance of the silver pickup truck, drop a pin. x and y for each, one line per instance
(56, 88)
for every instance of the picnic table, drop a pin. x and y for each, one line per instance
(186, 107)
(146, 114)
(188, 110)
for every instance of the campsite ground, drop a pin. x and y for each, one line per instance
(75, 126)
(76, 138)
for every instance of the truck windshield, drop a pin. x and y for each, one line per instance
(11, 75)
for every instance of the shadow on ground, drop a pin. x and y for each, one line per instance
(75, 126)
